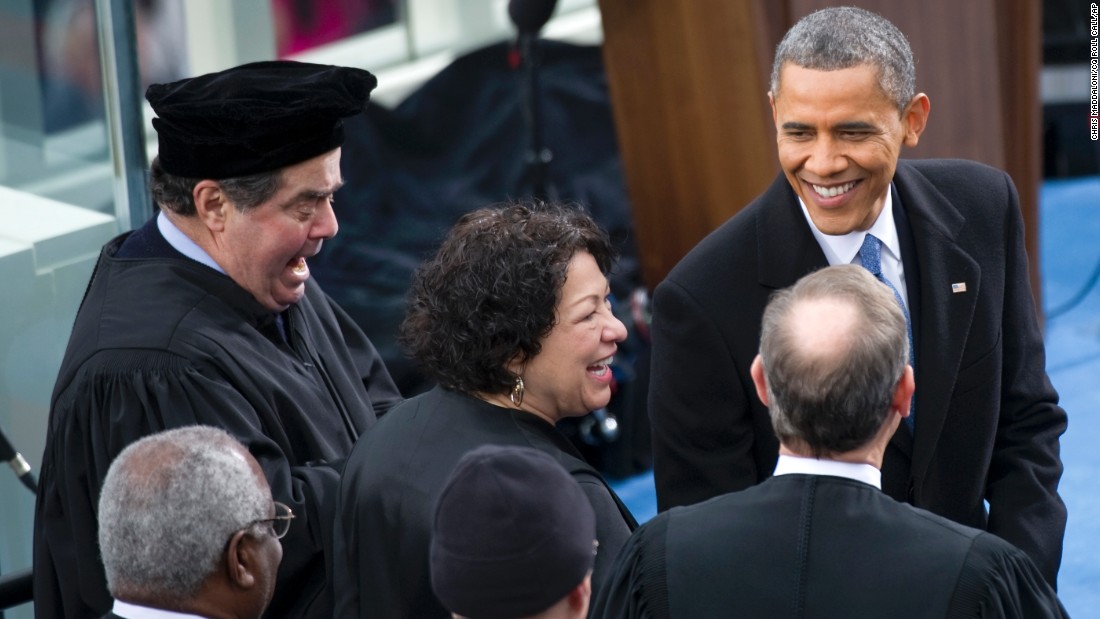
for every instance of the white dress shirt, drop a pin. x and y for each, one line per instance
(133, 611)
(183, 243)
(794, 465)
(844, 248)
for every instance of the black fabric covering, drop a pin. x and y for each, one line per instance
(160, 342)
(459, 143)
(818, 546)
(254, 117)
(513, 534)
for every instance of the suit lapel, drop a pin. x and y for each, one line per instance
(786, 247)
(945, 315)
(903, 437)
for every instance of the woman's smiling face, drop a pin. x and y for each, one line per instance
(571, 375)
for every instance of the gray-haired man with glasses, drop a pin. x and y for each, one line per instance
(188, 528)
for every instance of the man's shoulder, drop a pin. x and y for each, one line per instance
(954, 194)
(724, 254)
(714, 512)
(770, 497)
(951, 176)
(742, 224)
(150, 291)
(128, 306)
(140, 314)
(943, 531)
(947, 166)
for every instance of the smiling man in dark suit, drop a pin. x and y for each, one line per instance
(947, 235)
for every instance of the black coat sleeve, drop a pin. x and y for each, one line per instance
(636, 587)
(1000, 581)
(122, 396)
(703, 433)
(611, 530)
(383, 392)
(1026, 465)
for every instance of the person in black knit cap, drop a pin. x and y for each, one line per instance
(513, 536)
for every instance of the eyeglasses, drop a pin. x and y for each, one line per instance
(280, 524)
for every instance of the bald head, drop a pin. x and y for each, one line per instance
(833, 349)
(825, 329)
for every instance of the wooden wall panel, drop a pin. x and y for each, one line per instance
(692, 115)
(1019, 48)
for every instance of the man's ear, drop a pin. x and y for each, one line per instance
(580, 596)
(915, 118)
(759, 380)
(903, 393)
(241, 560)
(771, 102)
(211, 204)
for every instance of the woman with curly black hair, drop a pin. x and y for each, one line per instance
(512, 319)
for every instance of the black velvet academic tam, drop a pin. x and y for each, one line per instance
(255, 117)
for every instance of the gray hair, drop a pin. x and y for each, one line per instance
(175, 193)
(834, 401)
(168, 506)
(845, 37)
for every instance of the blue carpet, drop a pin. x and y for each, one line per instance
(1069, 252)
(1069, 212)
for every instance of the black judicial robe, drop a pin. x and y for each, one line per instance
(818, 546)
(162, 341)
(392, 481)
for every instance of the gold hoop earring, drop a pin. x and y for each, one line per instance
(517, 392)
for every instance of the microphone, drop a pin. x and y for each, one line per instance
(18, 463)
(530, 16)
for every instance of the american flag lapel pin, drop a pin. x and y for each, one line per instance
(958, 287)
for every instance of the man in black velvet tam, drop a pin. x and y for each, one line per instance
(207, 315)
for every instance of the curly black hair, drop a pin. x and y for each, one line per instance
(491, 291)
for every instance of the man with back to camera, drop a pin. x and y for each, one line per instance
(513, 537)
(947, 235)
(188, 528)
(819, 538)
(207, 315)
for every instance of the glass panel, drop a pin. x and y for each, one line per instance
(54, 137)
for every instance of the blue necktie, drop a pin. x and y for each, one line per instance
(871, 255)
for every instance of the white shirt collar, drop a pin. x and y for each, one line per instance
(843, 249)
(791, 465)
(133, 611)
(183, 243)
